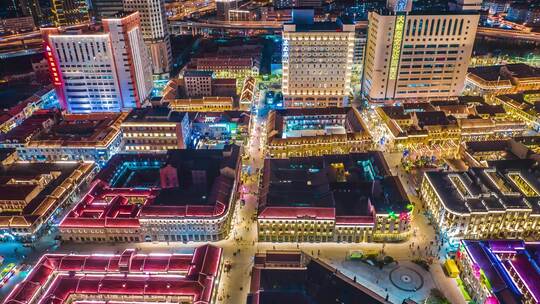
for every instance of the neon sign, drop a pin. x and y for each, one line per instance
(396, 46)
(404, 216)
(52, 66)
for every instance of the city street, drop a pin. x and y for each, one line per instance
(378, 130)
(240, 247)
(241, 244)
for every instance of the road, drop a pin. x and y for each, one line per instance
(507, 34)
(240, 247)
(13, 45)
(382, 140)
(238, 25)
(25, 43)
(276, 26)
(36, 33)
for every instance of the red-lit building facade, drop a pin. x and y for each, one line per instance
(184, 195)
(128, 277)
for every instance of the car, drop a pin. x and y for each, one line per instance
(6, 273)
(355, 254)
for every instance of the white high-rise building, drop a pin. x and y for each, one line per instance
(132, 58)
(317, 62)
(417, 56)
(155, 32)
(100, 71)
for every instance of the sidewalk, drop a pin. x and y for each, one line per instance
(453, 294)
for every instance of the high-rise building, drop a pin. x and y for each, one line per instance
(360, 40)
(241, 15)
(224, 6)
(69, 12)
(155, 32)
(21, 8)
(100, 71)
(106, 8)
(317, 61)
(417, 55)
(33, 9)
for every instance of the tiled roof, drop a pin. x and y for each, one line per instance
(129, 274)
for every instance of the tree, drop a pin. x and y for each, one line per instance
(388, 260)
(436, 297)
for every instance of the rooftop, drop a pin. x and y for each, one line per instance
(512, 72)
(292, 277)
(153, 114)
(462, 117)
(55, 178)
(182, 183)
(165, 114)
(497, 257)
(319, 27)
(486, 145)
(490, 150)
(311, 122)
(523, 101)
(491, 110)
(521, 70)
(330, 187)
(497, 188)
(488, 73)
(80, 129)
(29, 127)
(198, 73)
(51, 128)
(433, 118)
(58, 277)
(6, 153)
